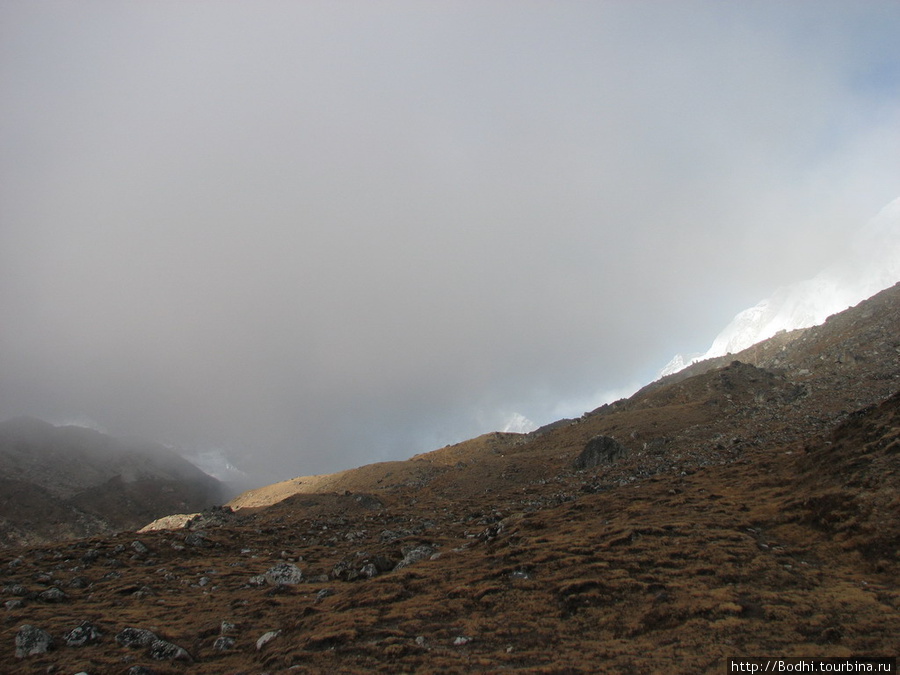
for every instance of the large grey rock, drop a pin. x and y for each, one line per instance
(283, 574)
(598, 451)
(31, 641)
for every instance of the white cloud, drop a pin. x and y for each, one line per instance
(518, 424)
(323, 234)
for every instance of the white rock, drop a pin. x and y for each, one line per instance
(267, 638)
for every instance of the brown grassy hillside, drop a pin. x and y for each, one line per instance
(755, 513)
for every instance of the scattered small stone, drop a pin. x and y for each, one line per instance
(163, 650)
(139, 547)
(143, 592)
(414, 555)
(141, 670)
(78, 582)
(17, 589)
(267, 638)
(381, 563)
(53, 595)
(369, 570)
(343, 570)
(461, 641)
(32, 641)
(387, 536)
(197, 540)
(136, 637)
(85, 633)
(223, 643)
(324, 593)
(16, 603)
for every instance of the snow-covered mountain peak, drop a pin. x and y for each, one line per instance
(871, 265)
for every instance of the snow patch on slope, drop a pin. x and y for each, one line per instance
(871, 265)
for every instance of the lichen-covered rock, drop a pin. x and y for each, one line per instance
(17, 589)
(136, 637)
(414, 555)
(283, 574)
(53, 595)
(32, 641)
(344, 571)
(85, 633)
(163, 650)
(223, 643)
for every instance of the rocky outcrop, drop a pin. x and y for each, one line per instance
(599, 450)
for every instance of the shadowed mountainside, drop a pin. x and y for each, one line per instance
(747, 507)
(67, 482)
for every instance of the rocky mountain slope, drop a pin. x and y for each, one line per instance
(744, 507)
(66, 482)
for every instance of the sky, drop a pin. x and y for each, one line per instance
(307, 236)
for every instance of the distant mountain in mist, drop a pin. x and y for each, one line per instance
(70, 481)
(871, 264)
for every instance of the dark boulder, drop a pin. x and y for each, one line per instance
(599, 450)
